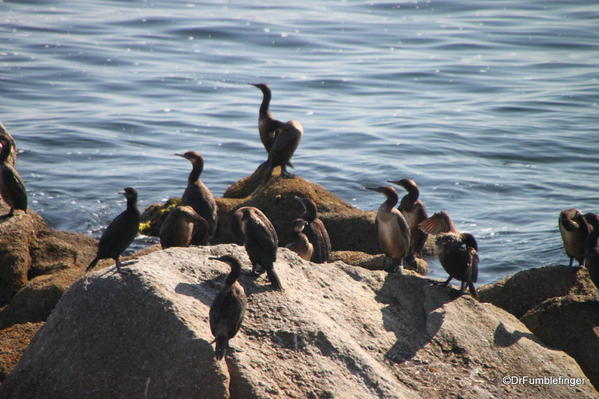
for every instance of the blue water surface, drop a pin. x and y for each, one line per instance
(491, 107)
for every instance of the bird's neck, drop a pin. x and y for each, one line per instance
(195, 173)
(132, 204)
(392, 199)
(265, 104)
(233, 275)
(410, 198)
(310, 212)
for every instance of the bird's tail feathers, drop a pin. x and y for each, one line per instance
(222, 344)
(92, 264)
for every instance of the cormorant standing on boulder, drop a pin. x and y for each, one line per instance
(178, 228)
(260, 239)
(12, 189)
(458, 252)
(227, 309)
(287, 138)
(120, 232)
(591, 257)
(300, 244)
(414, 212)
(393, 230)
(574, 230)
(199, 197)
(315, 231)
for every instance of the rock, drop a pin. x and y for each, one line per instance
(39, 264)
(37, 298)
(569, 324)
(350, 229)
(13, 342)
(524, 290)
(335, 331)
(374, 262)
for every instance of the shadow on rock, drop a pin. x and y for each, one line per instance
(505, 338)
(414, 313)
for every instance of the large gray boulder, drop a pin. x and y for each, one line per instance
(569, 323)
(520, 292)
(336, 331)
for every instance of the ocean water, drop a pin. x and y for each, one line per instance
(490, 106)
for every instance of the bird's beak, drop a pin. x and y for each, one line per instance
(372, 188)
(180, 155)
(393, 182)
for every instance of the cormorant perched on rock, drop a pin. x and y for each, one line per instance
(178, 228)
(12, 156)
(287, 138)
(315, 231)
(393, 230)
(300, 244)
(267, 124)
(591, 256)
(457, 251)
(414, 212)
(260, 240)
(227, 309)
(574, 230)
(120, 233)
(199, 197)
(12, 189)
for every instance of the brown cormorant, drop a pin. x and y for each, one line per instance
(199, 197)
(178, 228)
(414, 212)
(315, 231)
(227, 309)
(574, 230)
(287, 138)
(591, 256)
(300, 244)
(12, 156)
(260, 240)
(120, 232)
(12, 189)
(393, 230)
(458, 252)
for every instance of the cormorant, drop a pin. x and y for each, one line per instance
(591, 256)
(414, 212)
(260, 239)
(12, 156)
(393, 230)
(177, 229)
(574, 230)
(12, 189)
(227, 309)
(267, 124)
(199, 197)
(300, 244)
(315, 231)
(287, 138)
(458, 252)
(120, 232)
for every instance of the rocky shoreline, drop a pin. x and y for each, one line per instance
(379, 335)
